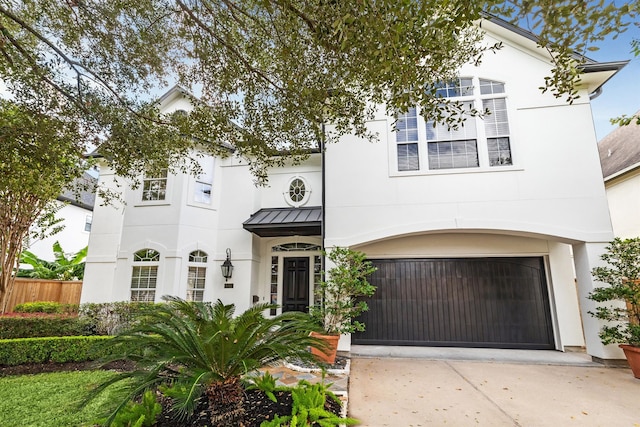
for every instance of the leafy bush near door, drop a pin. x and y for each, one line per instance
(340, 295)
(620, 298)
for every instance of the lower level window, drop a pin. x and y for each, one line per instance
(195, 283)
(143, 283)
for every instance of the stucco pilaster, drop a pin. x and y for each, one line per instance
(587, 257)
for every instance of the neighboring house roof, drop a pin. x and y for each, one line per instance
(86, 198)
(620, 150)
(274, 222)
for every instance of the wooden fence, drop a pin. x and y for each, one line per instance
(30, 290)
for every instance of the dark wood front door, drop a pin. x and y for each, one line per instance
(295, 285)
(471, 302)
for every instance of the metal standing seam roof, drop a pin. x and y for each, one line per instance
(270, 222)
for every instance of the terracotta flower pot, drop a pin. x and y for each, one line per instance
(633, 357)
(328, 354)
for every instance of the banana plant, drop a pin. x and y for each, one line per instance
(64, 267)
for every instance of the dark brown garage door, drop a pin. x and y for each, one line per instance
(472, 302)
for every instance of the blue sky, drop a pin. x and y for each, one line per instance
(621, 94)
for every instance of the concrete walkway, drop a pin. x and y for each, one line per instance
(509, 390)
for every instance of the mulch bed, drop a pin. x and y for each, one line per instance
(257, 408)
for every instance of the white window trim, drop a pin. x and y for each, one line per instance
(483, 152)
(167, 198)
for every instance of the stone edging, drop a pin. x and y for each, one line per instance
(345, 371)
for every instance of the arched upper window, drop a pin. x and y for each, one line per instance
(478, 142)
(144, 275)
(197, 274)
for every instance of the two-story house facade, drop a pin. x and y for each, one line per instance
(483, 236)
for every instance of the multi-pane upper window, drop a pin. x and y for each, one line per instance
(154, 187)
(196, 276)
(144, 276)
(477, 142)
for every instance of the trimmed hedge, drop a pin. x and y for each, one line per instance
(42, 325)
(50, 307)
(52, 349)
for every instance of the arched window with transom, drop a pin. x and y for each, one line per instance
(144, 276)
(197, 275)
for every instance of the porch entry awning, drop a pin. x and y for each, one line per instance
(276, 222)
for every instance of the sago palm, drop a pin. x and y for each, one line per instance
(199, 349)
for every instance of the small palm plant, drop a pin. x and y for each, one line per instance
(201, 350)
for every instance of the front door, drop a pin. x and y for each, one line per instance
(295, 285)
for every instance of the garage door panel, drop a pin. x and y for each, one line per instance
(475, 302)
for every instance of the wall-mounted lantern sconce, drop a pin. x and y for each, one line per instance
(227, 267)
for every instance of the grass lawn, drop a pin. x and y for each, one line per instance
(52, 399)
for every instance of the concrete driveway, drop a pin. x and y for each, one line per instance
(390, 391)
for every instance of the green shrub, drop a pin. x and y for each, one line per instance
(309, 408)
(46, 307)
(32, 325)
(266, 383)
(114, 317)
(51, 349)
(143, 414)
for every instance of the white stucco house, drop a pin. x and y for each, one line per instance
(76, 213)
(472, 230)
(620, 160)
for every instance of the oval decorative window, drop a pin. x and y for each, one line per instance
(297, 192)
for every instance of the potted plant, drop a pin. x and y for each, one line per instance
(339, 300)
(621, 297)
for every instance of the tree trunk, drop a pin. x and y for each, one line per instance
(226, 402)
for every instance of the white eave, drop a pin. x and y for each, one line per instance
(594, 74)
(634, 167)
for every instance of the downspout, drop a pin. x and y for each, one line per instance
(322, 169)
